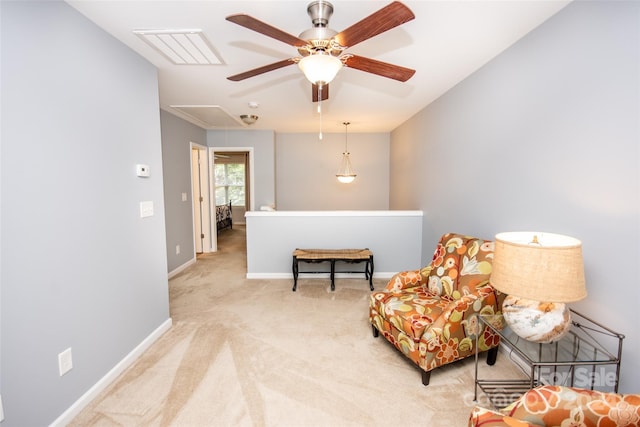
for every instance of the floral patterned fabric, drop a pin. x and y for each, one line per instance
(430, 315)
(552, 405)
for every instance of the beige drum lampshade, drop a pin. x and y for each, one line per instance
(539, 266)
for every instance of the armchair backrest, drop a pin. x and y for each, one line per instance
(460, 264)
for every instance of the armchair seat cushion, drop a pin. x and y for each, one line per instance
(411, 311)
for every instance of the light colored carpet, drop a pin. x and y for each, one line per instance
(254, 353)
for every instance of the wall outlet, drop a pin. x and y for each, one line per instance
(65, 361)
(184, 197)
(177, 249)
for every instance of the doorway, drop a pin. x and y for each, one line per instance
(226, 163)
(230, 180)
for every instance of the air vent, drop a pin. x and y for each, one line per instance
(182, 47)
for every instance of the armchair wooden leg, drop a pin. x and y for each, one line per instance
(375, 331)
(426, 376)
(492, 355)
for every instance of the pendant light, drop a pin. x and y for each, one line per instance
(346, 173)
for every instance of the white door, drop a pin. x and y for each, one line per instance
(200, 197)
(197, 199)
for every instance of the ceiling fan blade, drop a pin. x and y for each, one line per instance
(315, 92)
(380, 68)
(266, 29)
(383, 20)
(261, 70)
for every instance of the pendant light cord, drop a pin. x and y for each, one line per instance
(320, 109)
(346, 136)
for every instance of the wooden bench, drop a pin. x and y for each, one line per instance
(332, 255)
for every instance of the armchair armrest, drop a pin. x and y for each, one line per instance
(483, 417)
(552, 404)
(404, 280)
(452, 335)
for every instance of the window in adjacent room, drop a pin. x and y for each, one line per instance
(230, 179)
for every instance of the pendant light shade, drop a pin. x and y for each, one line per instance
(346, 174)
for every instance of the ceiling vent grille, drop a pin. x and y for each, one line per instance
(182, 47)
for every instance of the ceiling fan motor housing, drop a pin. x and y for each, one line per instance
(319, 37)
(320, 12)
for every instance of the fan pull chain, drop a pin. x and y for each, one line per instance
(320, 110)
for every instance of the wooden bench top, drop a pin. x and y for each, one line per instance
(332, 253)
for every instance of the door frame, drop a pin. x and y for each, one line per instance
(212, 196)
(205, 193)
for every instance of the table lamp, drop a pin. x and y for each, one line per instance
(539, 272)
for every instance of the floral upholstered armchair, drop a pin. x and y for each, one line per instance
(430, 315)
(552, 405)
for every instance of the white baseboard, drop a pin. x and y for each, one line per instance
(382, 275)
(105, 381)
(178, 270)
(514, 358)
(270, 276)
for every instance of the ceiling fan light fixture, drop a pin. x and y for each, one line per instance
(320, 68)
(249, 119)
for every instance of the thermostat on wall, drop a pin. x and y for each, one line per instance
(142, 170)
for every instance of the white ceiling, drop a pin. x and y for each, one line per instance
(446, 42)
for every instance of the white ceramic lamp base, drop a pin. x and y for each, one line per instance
(536, 321)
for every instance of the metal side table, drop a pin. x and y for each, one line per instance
(588, 356)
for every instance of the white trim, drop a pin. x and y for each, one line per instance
(382, 275)
(334, 213)
(269, 276)
(105, 381)
(181, 268)
(515, 359)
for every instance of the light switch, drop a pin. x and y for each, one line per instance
(146, 209)
(184, 197)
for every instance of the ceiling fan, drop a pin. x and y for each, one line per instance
(322, 49)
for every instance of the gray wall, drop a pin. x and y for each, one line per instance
(177, 136)
(264, 158)
(79, 267)
(306, 171)
(306, 167)
(544, 137)
(272, 236)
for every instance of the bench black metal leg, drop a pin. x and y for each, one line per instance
(369, 268)
(295, 273)
(375, 331)
(333, 274)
